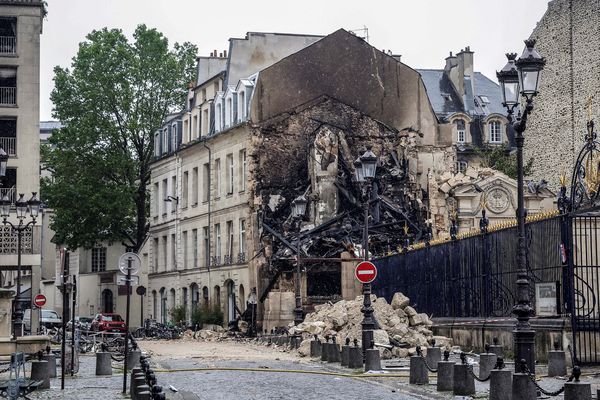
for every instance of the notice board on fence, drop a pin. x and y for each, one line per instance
(546, 302)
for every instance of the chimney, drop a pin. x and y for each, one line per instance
(215, 52)
(225, 53)
(466, 74)
(451, 70)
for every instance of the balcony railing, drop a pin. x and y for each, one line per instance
(227, 259)
(8, 96)
(11, 192)
(8, 44)
(9, 145)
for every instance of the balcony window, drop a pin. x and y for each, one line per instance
(8, 135)
(8, 35)
(8, 86)
(98, 259)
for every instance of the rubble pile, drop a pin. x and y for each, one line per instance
(400, 324)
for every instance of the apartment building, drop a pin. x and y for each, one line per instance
(20, 30)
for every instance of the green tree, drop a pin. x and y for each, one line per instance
(501, 159)
(111, 101)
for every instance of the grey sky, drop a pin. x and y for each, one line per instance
(422, 31)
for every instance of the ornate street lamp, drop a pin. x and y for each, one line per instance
(528, 69)
(22, 207)
(365, 170)
(298, 211)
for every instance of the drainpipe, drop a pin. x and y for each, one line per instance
(209, 225)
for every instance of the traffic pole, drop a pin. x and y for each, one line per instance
(128, 286)
(73, 324)
(65, 299)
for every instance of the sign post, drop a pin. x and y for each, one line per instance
(365, 272)
(141, 291)
(129, 264)
(39, 300)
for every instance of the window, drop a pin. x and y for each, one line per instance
(156, 205)
(206, 233)
(243, 170)
(155, 248)
(174, 137)
(8, 35)
(242, 102)
(218, 118)
(165, 252)
(229, 110)
(157, 144)
(218, 177)
(242, 236)
(460, 131)
(203, 95)
(206, 182)
(495, 132)
(165, 136)
(194, 186)
(229, 238)
(195, 127)
(229, 174)
(218, 241)
(184, 245)
(173, 194)
(98, 259)
(8, 86)
(164, 196)
(173, 253)
(184, 191)
(461, 166)
(205, 122)
(195, 247)
(185, 131)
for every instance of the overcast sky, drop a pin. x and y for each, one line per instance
(422, 31)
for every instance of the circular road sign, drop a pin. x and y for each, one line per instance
(140, 290)
(365, 272)
(135, 263)
(39, 300)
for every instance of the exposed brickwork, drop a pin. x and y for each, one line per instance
(569, 37)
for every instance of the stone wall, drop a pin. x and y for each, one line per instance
(568, 35)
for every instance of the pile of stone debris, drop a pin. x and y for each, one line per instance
(209, 333)
(401, 328)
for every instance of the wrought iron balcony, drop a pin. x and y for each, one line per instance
(227, 259)
(9, 144)
(215, 261)
(11, 192)
(241, 258)
(8, 96)
(8, 45)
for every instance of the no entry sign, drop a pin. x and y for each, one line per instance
(39, 300)
(365, 272)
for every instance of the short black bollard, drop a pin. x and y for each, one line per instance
(577, 390)
(51, 358)
(373, 359)
(500, 381)
(445, 374)
(40, 372)
(557, 361)
(334, 352)
(143, 392)
(133, 358)
(497, 348)
(419, 375)
(487, 362)
(325, 349)
(464, 383)
(315, 347)
(132, 384)
(355, 359)
(345, 354)
(434, 355)
(103, 365)
(522, 386)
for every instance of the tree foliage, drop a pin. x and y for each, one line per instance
(111, 101)
(501, 159)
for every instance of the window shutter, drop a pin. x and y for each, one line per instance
(180, 131)
(169, 135)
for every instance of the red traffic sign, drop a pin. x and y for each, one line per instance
(39, 300)
(365, 272)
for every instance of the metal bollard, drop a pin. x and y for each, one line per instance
(576, 390)
(51, 358)
(497, 348)
(434, 355)
(445, 374)
(557, 361)
(315, 347)
(464, 383)
(103, 366)
(134, 372)
(142, 391)
(345, 353)
(487, 361)
(133, 358)
(500, 382)
(373, 359)
(419, 375)
(325, 349)
(40, 372)
(334, 352)
(355, 359)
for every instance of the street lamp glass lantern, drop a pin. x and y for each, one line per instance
(529, 66)
(21, 205)
(359, 171)
(509, 82)
(5, 206)
(299, 206)
(34, 205)
(3, 162)
(369, 164)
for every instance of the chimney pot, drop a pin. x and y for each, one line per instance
(215, 51)
(225, 53)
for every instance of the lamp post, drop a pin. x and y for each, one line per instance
(22, 206)
(298, 212)
(521, 77)
(365, 168)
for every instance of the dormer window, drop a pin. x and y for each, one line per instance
(495, 130)
(461, 133)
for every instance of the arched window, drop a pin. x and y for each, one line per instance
(154, 305)
(205, 296)
(461, 133)
(217, 297)
(242, 298)
(495, 129)
(163, 305)
(195, 295)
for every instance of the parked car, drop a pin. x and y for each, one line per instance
(83, 323)
(48, 318)
(108, 322)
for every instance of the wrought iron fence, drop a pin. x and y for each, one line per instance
(474, 276)
(8, 96)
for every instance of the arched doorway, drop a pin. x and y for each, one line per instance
(154, 305)
(217, 297)
(242, 298)
(230, 301)
(205, 298)
(195, 295)
(107, 301)
(171, 303)
(163, 305)
(184, 302)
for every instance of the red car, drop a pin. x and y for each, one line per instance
(108, 323)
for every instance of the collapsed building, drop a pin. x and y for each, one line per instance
(261, 131)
